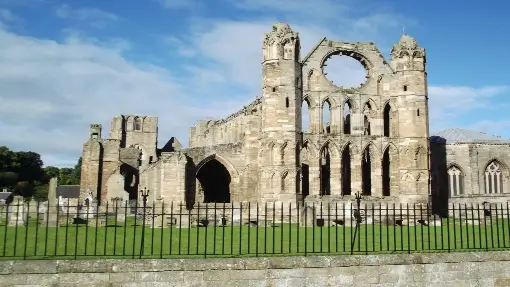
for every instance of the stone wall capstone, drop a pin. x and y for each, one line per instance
(445, 269)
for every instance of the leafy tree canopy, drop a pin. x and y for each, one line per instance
(23, 173)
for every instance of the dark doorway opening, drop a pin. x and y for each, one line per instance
(387, 120)
(131, 180)
(325, 172)
(346, 171)
(366, 173)
(215, 180)
(305, 180)
(386, 179)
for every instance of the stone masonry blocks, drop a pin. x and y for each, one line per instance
(466, 269)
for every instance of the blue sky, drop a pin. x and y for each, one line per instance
(66, 64)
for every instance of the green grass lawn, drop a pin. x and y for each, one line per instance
(35, 241)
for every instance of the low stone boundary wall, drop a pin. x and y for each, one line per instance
(446, 269)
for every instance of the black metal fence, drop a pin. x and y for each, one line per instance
(168, 230)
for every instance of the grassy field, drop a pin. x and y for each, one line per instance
(35, 241)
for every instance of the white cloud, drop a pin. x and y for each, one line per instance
(448, 103)
(94, 17)
(180, 46)
(52, 91)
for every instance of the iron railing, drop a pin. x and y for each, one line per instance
(76, 229)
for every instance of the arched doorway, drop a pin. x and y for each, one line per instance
(131, 180)
(215, 181)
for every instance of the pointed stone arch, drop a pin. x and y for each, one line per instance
(372, 104)
(351, 102)
(495, 159)
(312, 147)
(495, 177)
(310, 100)
(455, 178)
(333, 147)
(331, 100)
(225, 162)
(217, 178)
(456, 165)
(347, 144)
(374, 151)
(392, 148)
(391, 104)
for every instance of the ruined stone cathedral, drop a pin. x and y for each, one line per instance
(376, 142)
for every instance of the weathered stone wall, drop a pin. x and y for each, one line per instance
(398, 86)
(231, 129)
(455, 269)
(471, 160)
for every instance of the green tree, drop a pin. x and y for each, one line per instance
(50, 171)
(8, 179)
(24, 172)
(40, 191)
(70, 176)
(24, 188)
(6, 158)
(28, 165)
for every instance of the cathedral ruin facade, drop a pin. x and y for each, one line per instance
(376, 142)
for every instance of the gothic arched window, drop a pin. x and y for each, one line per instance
(493, 178)
(455, 181)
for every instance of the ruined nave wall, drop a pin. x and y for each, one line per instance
(231, 129)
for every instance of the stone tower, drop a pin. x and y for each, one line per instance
(281, 113)
(408, 61)
(92, 162)
(140, 132)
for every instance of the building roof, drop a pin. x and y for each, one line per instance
(6, 197)
(458, 135)
(68, 191)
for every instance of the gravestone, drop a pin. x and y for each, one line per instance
(158, 215)
(307, 215)
(18, 214)
(51, 219)
(236, 214)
